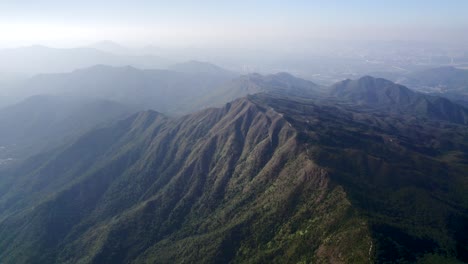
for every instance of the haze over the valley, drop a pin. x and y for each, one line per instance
(304, 37)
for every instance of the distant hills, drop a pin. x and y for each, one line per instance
(191, 86)
(381, 93)
(182, 89)
(373, 91)
(443, 79)
(162, 90)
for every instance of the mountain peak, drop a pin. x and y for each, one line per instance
(371, 90)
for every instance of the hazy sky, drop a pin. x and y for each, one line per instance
(139, 22)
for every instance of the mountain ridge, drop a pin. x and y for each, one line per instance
(265, 179)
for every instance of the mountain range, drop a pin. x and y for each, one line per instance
(282, 171)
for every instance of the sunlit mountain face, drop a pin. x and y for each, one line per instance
(240, 132)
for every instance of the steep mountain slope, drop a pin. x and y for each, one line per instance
(265, 179)
(203, 179)
(45, 121)
(381, 93)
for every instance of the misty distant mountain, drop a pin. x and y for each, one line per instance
(263, 179)
(373, 91)
(40, 59)
(444, 79)
(196, 85)
(280, 83)
(45, 121)
(186, 87)
(162, 90)
(200, 67)
(383, 94)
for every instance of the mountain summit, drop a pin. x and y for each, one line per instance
(373, 91)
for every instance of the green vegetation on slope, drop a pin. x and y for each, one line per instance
(265, 179)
